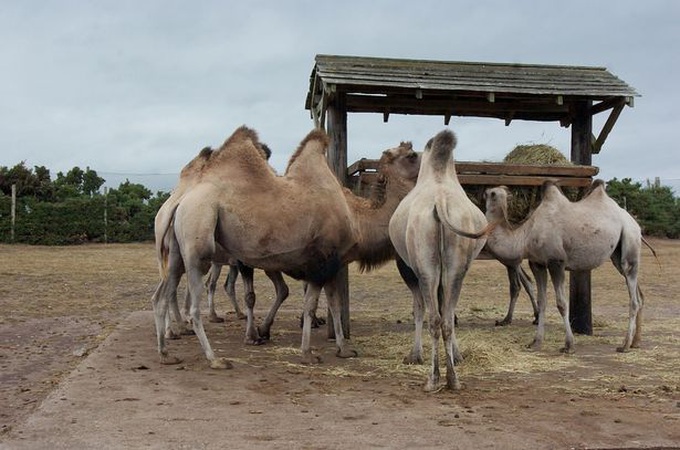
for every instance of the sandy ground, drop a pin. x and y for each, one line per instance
(94, 381)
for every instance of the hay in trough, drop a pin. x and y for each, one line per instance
(538, 154)
(525, 199)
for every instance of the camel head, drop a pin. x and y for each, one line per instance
(497, 204)
(401, 162)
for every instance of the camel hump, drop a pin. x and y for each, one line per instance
(316, 135)
(441, 147)
(205, 153)
(242, 133)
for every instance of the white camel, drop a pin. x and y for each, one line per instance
(421, 231)
(562, 235)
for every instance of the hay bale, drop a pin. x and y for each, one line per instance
(538, 154)
(525, 198)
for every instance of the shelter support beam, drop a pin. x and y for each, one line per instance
(336, 127)
(580, 305)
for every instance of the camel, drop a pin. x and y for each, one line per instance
(312, 233)
(425, 231)
(561, 235)
(171, 266)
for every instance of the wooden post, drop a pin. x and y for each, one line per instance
(337, 160)
(13, 213)
(580, 306)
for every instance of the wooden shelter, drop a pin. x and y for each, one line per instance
(570, 95)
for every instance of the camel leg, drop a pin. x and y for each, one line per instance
(430, 291)
(211, 284)
(331, 290)
(627, 265)
(557, 275)
(252, 336)
(453, 355)
(160, 310)
(174, 274)
(528, 285)
(230, 289)
(541, 275)
(411, 280)
(195, 286)
(311, 295)
(632, 338)
(281, 289)
(638, 319)
(316, 320)
(515, 288)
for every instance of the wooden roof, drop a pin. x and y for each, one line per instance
(449, 88)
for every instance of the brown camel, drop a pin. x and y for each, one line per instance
(562, 235)
(421, 231)
(170, 264)
(312, 233)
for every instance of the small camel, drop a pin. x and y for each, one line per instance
(561, 235)
(425, 231)
(312, 233)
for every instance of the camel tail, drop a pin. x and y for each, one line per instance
(649, 246)
(162, 247)
(441, 214)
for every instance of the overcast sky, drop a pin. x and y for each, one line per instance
(133, 89)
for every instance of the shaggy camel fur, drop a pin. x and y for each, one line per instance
(312, 233)
(421, 231)
(562, 235)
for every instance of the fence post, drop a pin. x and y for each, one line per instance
(106, 215)
(14, 210)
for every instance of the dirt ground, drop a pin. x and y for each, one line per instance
(79, 367)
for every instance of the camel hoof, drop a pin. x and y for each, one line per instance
(534, 345)
(187, 332)
(215, 319)
(622, 349)
(221, 364)
(255, 341)
(310, 358)
(169, 360)
(346, 353)
(453, 384)
(412, 359)
(504, 322)
(265, 335)
(432, 386)
(567, 350)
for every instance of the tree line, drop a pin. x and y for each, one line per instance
(72, 209)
